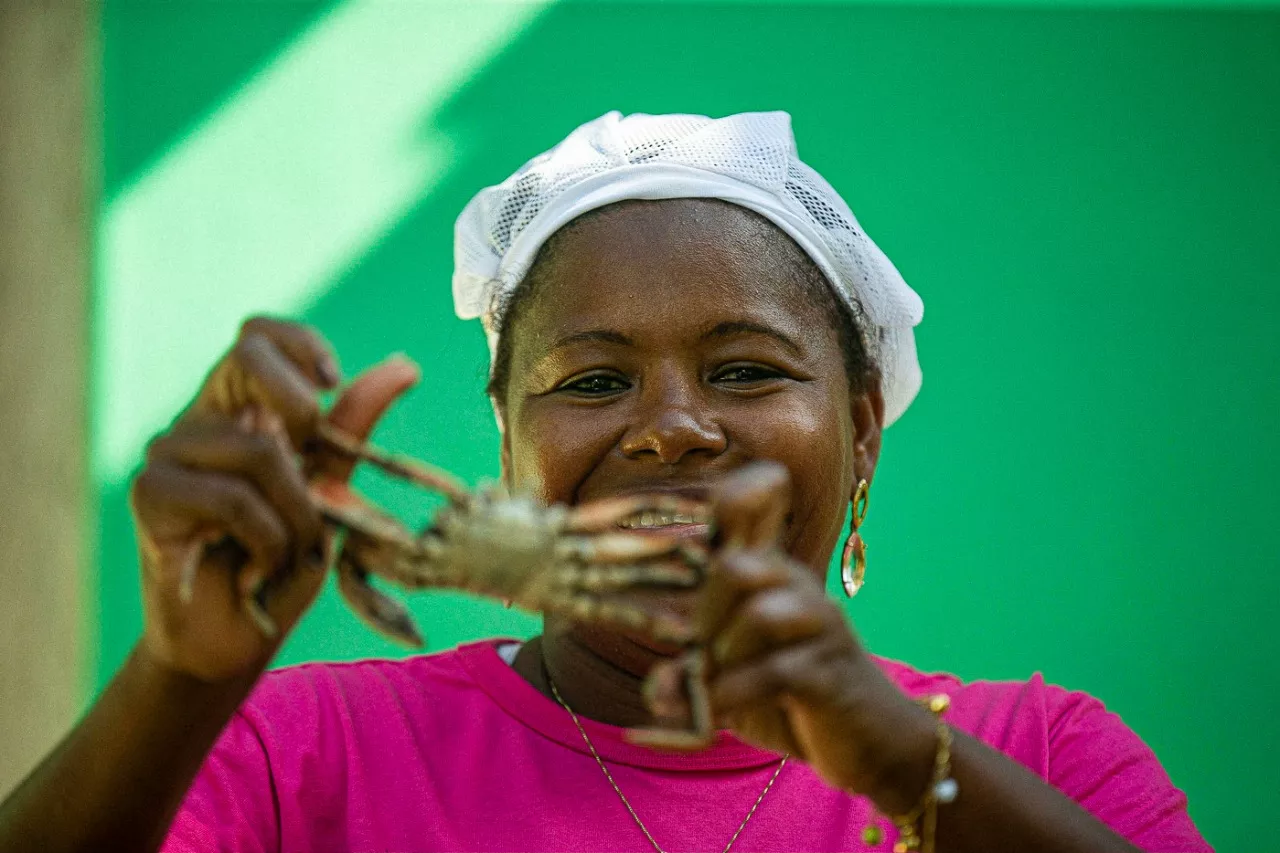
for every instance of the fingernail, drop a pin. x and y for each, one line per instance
(329, 372)
(247, 418)
(720, 649)
(673, 631)
(403, 359)
(187, 586)
(271, 424)
(251, 584)
(187, 571)
(266, 625)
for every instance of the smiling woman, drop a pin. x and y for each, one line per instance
(675, 305)
(727, 362)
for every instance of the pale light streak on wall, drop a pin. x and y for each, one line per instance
(272, 197)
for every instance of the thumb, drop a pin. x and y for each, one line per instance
(363, 403)
(751, 505)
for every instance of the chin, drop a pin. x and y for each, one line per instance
(631, 651)
(656, 647)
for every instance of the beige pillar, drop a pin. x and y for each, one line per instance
(47, 135)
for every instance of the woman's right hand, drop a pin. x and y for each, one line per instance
(225, 491)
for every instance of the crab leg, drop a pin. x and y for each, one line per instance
(687, 672)
(597, 578)
(412, 568)
(628, 547)
(383, 614)
(341, 506)
(416, 472)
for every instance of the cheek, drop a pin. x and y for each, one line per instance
(553, 450)
(812, 437)
(811, 434)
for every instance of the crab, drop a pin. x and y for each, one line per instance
(557, 558)
(575, 560)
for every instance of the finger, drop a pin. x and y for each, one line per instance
(257, 372)
(769, 620)
(167, 495)
(751, 505)
(664, 691)
(215, 443)
(798, 670)
(361, 405)
(279, 599)
(303, 345)
(735, 574)
(764, 724)
(190, 556)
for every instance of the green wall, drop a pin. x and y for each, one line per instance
(1085, 198)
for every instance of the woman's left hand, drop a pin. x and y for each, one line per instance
(785, 670)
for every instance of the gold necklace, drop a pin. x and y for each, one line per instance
(618, 791)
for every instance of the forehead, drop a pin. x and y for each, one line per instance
(671, 264)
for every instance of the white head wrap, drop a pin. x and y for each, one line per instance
(747, 159)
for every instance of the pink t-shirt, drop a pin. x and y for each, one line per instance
(455, 751)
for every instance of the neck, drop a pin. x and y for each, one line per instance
(599, 673)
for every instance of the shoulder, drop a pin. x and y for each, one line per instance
(1072, 741)
(362, 674)
(323, 697)
(1031, 720)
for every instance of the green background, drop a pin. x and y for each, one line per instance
(1086, 200)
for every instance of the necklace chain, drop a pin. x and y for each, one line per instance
(657, 849)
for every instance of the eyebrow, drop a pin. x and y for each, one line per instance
(607, 336)
(726, 330)
(721, 330)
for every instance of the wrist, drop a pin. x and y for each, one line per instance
(899, 742)
(892, 743)
(155, 676)
(904, 770)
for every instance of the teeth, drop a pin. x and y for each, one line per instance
(663, 519)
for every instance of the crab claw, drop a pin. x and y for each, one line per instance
(385, 615)
(339, 504)
(662, 692)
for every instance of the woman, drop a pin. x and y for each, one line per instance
(674, 305)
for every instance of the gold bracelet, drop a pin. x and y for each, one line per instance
(942, 789)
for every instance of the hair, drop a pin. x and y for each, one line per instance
(860, 370)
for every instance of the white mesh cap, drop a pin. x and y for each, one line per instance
(747, 159)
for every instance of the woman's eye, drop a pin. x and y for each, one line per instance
(746, 373)
(596, 385)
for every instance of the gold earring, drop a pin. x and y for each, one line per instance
(853, 562)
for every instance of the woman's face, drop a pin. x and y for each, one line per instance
(669, 342)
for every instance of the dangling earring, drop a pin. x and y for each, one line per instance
(853, 563)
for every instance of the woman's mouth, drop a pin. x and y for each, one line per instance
(685, 523)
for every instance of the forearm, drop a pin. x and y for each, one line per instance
(1001, 805)
(118, 778)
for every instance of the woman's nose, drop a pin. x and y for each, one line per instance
(673, 426)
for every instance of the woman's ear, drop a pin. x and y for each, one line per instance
(504, 445)
(867, 413)
(504, 459)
